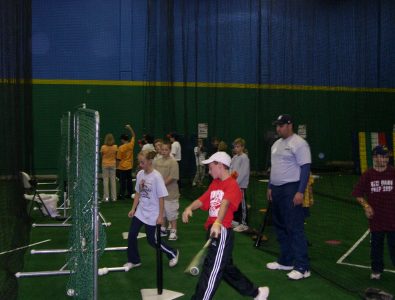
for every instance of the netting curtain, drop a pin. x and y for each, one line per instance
(281, 57)
(15, 134)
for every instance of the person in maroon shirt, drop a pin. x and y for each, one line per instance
(221, 199)
(377, 185)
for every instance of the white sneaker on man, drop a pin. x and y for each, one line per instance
(173, 235)
(263, 293)
(130, 265)
(375, 276)
(276, 266)
(296, 275)
(174, 261)
(240, 228)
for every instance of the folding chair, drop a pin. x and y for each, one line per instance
(38, 196)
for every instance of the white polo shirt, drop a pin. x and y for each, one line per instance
(287, 156)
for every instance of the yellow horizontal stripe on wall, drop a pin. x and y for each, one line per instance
(213, 85)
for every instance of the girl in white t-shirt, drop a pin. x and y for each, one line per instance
(147, 209)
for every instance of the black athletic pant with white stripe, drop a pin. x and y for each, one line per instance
(219, 265)
(241, 214)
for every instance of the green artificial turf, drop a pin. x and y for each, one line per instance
(331, 219)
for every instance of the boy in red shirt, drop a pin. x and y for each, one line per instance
(221, 200)
(377, 186)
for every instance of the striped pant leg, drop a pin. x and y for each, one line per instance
(218, 256)
(241, 214)
(236, 279)
(164, 248)
(244, 209)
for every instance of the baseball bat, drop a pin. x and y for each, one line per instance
(195, 266)
(263, 225)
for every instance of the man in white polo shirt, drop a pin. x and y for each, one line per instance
(290, 169)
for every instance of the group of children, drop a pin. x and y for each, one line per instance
(157, 200)
(156, 192)
(117, 162)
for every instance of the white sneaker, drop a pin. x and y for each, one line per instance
(173, 235)
(375, 276)
(241, 228)
(296, 275)
(163, 231)
(130, 265)
(105, 200)
(263, 293)
(276, 266)
(174, 261)
(235, 224)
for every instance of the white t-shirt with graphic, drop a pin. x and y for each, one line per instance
(151, 187)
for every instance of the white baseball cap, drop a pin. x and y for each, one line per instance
(220, 156)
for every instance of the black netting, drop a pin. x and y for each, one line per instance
(16, 134)
(236, 65)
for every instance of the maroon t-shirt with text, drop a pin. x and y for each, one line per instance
(378, 188)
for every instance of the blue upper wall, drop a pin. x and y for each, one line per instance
(327, 42)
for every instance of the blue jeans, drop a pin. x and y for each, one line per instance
(377, 249)
(288, 221)
(133, 251)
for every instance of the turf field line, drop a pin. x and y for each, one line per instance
(365, 267)
(340, 260)
(24, 247)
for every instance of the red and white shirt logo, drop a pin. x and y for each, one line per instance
(215, 202)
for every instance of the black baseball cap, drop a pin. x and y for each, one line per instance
(380, 150)
(283, 119)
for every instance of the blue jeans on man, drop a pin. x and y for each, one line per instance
(288, 221)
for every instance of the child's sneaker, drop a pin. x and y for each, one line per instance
(130, 265)
(173, 262)
(375, 276)
(173, 235)
(263, 293)
(163, 231)
(241, 228)
(235, 224)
